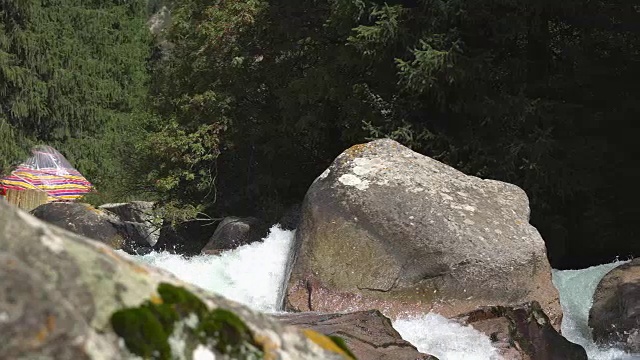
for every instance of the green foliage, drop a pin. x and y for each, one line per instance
(146, 329)
(246, 76)
(13, 147)
(193, 99)
(183, 162)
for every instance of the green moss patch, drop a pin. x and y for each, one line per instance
(342, 345)
(147, 329)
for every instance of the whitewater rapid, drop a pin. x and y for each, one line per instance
(253, 275)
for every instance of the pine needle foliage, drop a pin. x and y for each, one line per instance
(535, 93)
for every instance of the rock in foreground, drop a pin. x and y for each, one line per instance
(615, 314)
(59, 292)
(387, 228)
(368, 334)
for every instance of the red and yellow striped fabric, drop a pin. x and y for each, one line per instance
(61, 183)
(58, 186)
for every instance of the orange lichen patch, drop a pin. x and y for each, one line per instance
(46, 329)
(155, 299)
(325, 342)
(92, 209)
(116, 242)
(51, 323)
(269, 347)
(139, 269)
(354, 151)
(110, 253)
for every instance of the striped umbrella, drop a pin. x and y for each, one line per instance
(48, 170)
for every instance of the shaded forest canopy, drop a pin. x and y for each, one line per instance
(236, 106)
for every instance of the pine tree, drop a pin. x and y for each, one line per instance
(73, 75)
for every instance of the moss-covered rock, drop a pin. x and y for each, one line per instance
(60, 293)
(146, 329)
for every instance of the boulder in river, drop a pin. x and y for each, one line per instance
(85, 220)
(390, 229)
(141, 222)
(233, 232)
(615, 313)
(522, 332)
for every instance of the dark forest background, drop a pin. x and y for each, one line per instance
(233, 107)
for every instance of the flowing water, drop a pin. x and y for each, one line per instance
(576, 289)
(254, 274)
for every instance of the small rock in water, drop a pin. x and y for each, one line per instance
(368, 334)
(234, 232)
(522, 332)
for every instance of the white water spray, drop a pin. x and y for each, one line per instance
(251, 274)
(446, 339)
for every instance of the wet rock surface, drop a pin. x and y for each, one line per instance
(615, 313)
(186, 238)
(522, 332)
(233, 232)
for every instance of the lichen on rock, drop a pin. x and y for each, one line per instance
(332, 343)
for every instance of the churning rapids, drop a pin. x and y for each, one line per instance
(254, 274)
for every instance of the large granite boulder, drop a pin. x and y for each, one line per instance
(615, 313)
(387, 228)
(522, 332)
(85, 220)
(141, 222)
(60, 292)
(368, 334)
(233, 232)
